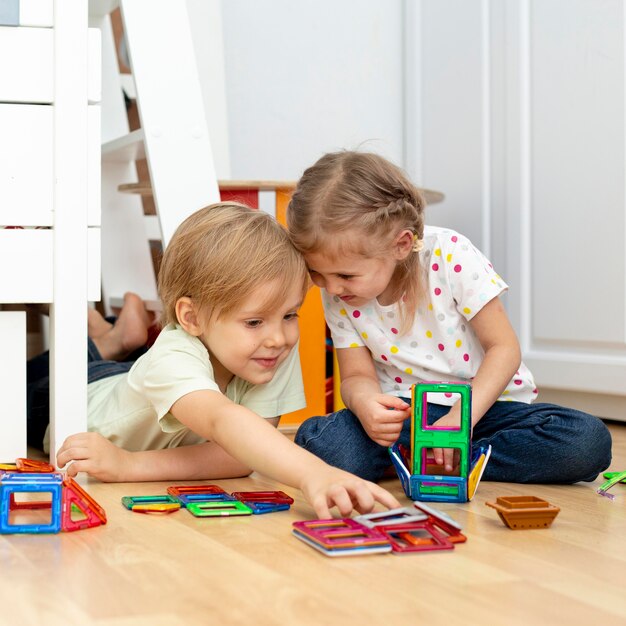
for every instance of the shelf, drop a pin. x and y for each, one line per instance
(127, 148)
(144, 188)
(155, 306)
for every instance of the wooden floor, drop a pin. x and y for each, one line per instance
(177, 569)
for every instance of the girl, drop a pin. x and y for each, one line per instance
(191, 407)
(407, 303)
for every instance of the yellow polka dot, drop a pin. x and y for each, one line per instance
(505, 392)
(459, 343)
(408, 370)
(393, 349)
(355, 345)
(467, 311)
(343, 312)
(429, 334)
(364, 335)
(449, 258)
(438, 252)
(430, 307)
(493, 281)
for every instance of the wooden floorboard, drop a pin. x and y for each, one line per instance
(177, 569)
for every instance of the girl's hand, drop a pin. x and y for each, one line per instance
(382, 417)
(95, 455)
(448, 457)
(347, 492)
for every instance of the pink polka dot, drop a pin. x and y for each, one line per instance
(517, 381)
(455, 238)
(356, 313)
(435, 267)
(437, 291)
(398, 379)
(447, 395)
(466, 357)
(394, 331)
(457, 268)
(535, 391)
(441, 347)
(383, 357)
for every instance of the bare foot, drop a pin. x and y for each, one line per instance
(96, 324)
(129, 332)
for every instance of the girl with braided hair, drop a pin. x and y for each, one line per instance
(409, 303)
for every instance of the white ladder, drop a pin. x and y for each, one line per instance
(173, 138)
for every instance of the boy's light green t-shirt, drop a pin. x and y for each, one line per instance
(132, 410)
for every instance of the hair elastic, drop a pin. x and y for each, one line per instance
(418, 244)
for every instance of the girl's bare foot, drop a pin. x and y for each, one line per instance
(130, 331)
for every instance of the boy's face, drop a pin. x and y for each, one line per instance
(250, 344)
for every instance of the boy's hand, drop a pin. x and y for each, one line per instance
(347, 492)
(382, 417)
(95, 455)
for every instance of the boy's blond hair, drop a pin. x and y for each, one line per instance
(357, 203)
(221, 253)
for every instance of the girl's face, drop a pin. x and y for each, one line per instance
(353, 278)
(250, 343)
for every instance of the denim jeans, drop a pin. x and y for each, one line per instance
(531, 443)
(38, 386)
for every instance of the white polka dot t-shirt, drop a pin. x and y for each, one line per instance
(441, 345)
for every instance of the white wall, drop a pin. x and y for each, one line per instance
(303, 78)
(513, 108)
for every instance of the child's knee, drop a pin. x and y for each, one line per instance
(599, 445)
(592, 455)
(308, 432)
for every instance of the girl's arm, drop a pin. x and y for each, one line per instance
(502, 359)
(502, 356)
(381, 415)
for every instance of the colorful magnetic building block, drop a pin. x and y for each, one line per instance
(419, 528)
(66, 497)
(210, 501)
(419, 479)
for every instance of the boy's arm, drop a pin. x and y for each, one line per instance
(97, 456)
(249, 439)
(381, 415)
(101, 459)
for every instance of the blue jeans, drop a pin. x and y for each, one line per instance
(531, 443)
(38, 386)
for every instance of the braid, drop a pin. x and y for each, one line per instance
(357, 191)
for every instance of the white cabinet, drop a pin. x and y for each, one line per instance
(49, 202)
